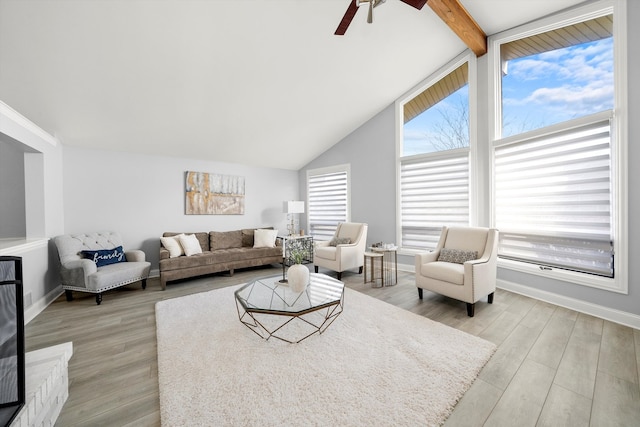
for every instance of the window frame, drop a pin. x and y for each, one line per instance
(441, 73)
(619, 138)
(343, 168)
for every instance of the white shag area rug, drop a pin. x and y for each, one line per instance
(375, 365)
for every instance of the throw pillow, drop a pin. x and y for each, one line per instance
(263, 238)
(172, 244)
(457, 256)
(339, 241)
(190, 244)
(104, 257)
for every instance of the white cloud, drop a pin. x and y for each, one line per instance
(578, 80)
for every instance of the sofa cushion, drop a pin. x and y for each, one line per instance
(326, 252)
(190, 244)
(263, 238)
(104, 257)
(225, 239)
(466, 238)
(247, 236)
(172, 244)
(339, 241)
(458, 256)
(186, 261)
(243, 254)
(445, 271)
(119, 273)
(203, 238)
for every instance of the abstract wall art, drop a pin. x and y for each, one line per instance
(213, 194)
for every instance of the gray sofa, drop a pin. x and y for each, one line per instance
(221, 251)
(80, 274)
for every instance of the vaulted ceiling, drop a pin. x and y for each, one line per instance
(257, 82)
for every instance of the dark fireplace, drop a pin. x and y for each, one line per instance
(12, 388)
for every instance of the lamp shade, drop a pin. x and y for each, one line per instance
(293, 206)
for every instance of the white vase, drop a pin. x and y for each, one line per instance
(298, 277)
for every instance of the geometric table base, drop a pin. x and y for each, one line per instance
(271, 308)
(291, 328)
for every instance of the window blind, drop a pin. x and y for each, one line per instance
(434, 192)
(328, 202)
(553, 199)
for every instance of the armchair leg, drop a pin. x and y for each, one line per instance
(470, 309)
(315, 267)
(360, 270)
(339, 275)
(490, 298)
(98, 298)
(144, 283)
(420, 293)
(68, 294)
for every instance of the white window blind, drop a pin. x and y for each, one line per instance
(553, 199)
(328, 203)
(434, 192)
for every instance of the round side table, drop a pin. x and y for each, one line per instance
(390, 263)
(370, 260)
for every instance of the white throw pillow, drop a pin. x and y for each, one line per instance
(190, 244)
(263, 238)
(172, 244)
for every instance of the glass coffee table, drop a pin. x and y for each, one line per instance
(271, 309)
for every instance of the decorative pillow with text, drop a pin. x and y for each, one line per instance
(104, 257)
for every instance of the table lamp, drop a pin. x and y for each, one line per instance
(292, 207)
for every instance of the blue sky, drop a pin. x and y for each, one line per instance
(538, 90)
(552, 87)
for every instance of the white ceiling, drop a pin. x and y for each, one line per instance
(257, 82)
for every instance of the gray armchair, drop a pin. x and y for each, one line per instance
(96, 262)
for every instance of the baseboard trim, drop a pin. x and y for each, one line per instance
(39, 306)
(613, 315)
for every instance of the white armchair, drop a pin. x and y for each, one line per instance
(338, 256)
(463, 265)
(96, 262)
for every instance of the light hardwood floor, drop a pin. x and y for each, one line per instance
(553, 366)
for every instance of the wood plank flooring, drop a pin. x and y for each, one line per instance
(553, 366)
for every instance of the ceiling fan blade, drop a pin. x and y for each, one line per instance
(346, 19)
(370, 15)
(418, 4)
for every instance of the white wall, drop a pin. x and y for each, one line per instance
(12, 213)
(42, 198)
(141, 196)
(370, 150)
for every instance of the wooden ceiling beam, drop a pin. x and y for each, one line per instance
(463, 24)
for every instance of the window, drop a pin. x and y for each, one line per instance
(553, 198)
(557, 76)
(433, 181)
(328, 195)
(558, 175)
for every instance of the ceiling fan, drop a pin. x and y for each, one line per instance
(355, 4)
